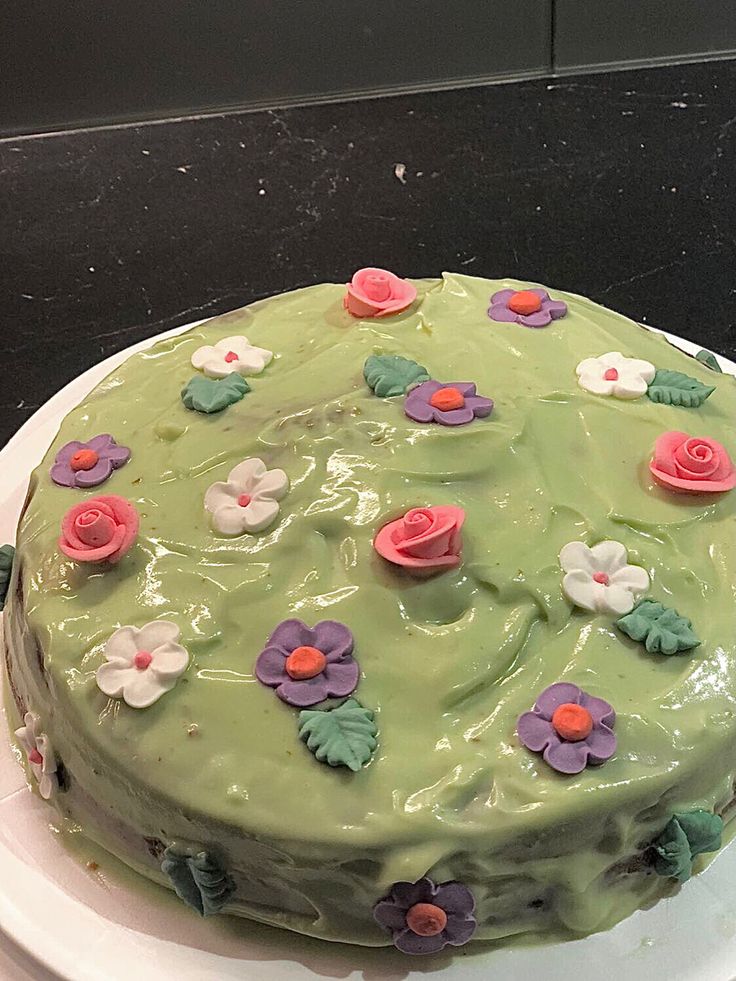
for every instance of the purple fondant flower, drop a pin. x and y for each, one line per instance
(306, 665)
(88, 464)
(532, 308)
(423, 917)
(448, 403)
(570, 726)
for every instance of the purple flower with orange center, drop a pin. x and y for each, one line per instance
(88, 464)
(571, 728)
(424, 917)
(448, 403)
(307, 665)
(531, 308)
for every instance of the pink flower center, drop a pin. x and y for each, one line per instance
(83, 460)
(524, 302)
(244, 500)
(35, 757)
(231, 356)
(601, 577)
(377, 287)
(426, 919)
(611, 375)
(446, 399)
(142, 660)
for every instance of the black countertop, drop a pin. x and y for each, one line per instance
(619, 186)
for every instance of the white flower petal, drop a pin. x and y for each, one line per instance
(629, 387)
(47, 784)
(577, 555)
(589, 366)
(245, 474)
(608, 557)
(260, 514)
(579, 587)
(273, 484)
(617, 600)
(221, 494)
(645, 369)
(596, 384)
(156, 634)
(229, 519)
(123, 644)
(631, 577)
(612, 359)
(169, 661)
(112, 678)
(203, 355)
(146, 689)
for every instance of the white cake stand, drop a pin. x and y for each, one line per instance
(78, 921)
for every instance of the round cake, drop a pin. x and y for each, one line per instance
(396, 613)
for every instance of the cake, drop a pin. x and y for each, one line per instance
(401, 613)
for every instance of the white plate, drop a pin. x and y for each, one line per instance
(103, 924)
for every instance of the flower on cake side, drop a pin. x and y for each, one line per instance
(424, 540)
(424, 917)
(307, 665)
(599, 578)
(613, 374)
(692, 464)
(377, 293)
(571, 728)
(530, 308)
(229, 355)
(248, 500)
(142, 664)
(446, 403)
(88, 464)
(41, 760)
(100, 529)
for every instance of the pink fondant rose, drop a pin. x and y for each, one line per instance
(99, 529)
(378, 293)
(692, 464)
(424, 540)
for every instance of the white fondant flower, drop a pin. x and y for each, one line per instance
(231, 354)
(613, 374)
(599, 579)
(142, 664)
(40, 755)
(248, 501)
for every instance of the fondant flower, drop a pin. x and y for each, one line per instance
(229, 355)
(571, 728)
(248, 500)
(599, 579)
(305, 665)
(532, 307)
(423, 917)
(692, 464)
(613, 374)
(378, 293)
(142, 664)
(101, 528)
(448, 403)
(425, 539)
(41, 760)
(88, 464)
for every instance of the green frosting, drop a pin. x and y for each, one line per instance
(709, 360)
(389, 374)
(684, 838)
(7, 553)
(661, 630)
(447, 663)
(676, 388)
(198, 879)
(214, 395)
(342, 736)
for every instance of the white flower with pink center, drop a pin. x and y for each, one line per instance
(248, 500)
(613, 374)
(229, 355)
(41, 760)
(142, 663)
(599, 578)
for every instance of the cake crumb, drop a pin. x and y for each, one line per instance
(92, 866)
(399, 171)
(193, 729)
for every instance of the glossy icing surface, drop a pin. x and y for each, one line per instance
(447, 663)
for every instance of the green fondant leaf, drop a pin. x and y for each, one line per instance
(199, 880)
(684, 837)
(210, 395)
(7, 554)
(709, 360)
(390, 374)
(343, 736)
(674, 388)
(660, 629)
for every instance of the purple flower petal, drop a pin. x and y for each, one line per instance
(599, 708)
(291, 634)
(556, 308)
(454, 417)
(271, 667)
(406, 894)
(502, 297)
(535, 732)
(601, 744)
(480, 405)
(459, 930)
(68, 450)
(465, 388)
(556, 695)
(303, 693)
(542, 294)
(418, 409)
(334, 639)
(342, 678)
(62, 474)
(412, 943)
(426, 390)
(95, 475)
(502, 314)
(455, 899)
(539, 318)
(117, 455)
(567, 757)
(100, 443)
(389, 915)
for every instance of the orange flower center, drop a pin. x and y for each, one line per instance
(83, 460)
(572, 722)
(426, 919)
(446, 399)
(305, 662)
(524, 302)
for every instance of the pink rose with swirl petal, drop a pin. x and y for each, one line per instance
(99, 529)
(424, 540)
(378, 293)
(692, 464)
